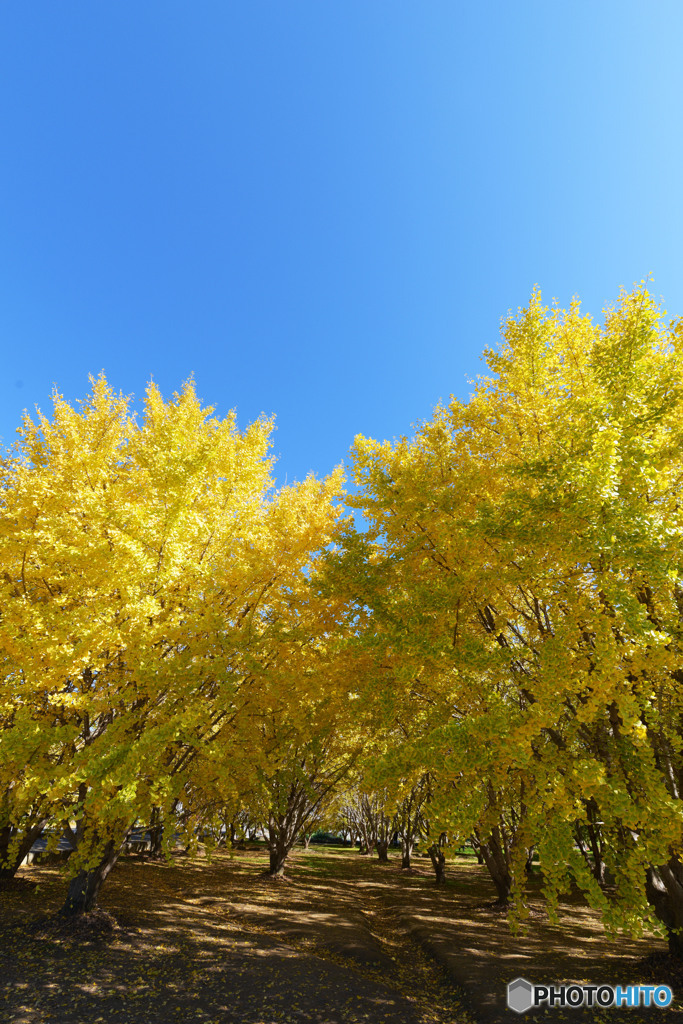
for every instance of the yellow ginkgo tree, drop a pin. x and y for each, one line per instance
(141, 563)
(523, 569)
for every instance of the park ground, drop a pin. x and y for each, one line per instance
(342, 940)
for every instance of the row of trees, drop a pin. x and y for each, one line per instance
(523, 570)
(500, 650)
(162, 644)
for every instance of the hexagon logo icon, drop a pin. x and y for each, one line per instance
(520, 995)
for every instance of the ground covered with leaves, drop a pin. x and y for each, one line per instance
(342, 940)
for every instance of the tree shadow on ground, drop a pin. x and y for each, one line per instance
(345, 940)
(180, 951)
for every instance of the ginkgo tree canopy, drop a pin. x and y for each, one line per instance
(145, 568)
(523, 566)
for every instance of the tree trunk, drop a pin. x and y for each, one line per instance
(156, 835)
(85, 887)
(383, 851)
(664, 887)
(495, 857)
(438, 859)
(598, 866)
(280, 842)
(593, 858)
(595, 839)
(278, 857)
(406, 852)
(156, 832)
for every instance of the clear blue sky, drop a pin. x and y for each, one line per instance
(322, 209)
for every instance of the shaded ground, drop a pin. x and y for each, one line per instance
(209, 942)
(344, 940)
(463, 931)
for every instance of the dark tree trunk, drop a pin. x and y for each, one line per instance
(278, 857)
(156, 832)
(593, 857)
(406, 852)
(85, 887)
(156, 835)
(664, 887)
(383, 851)
(438, 859)
(281, 838)
(595, 839)
(496, 859)
(598, 866)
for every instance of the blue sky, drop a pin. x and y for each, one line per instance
(321, 209)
